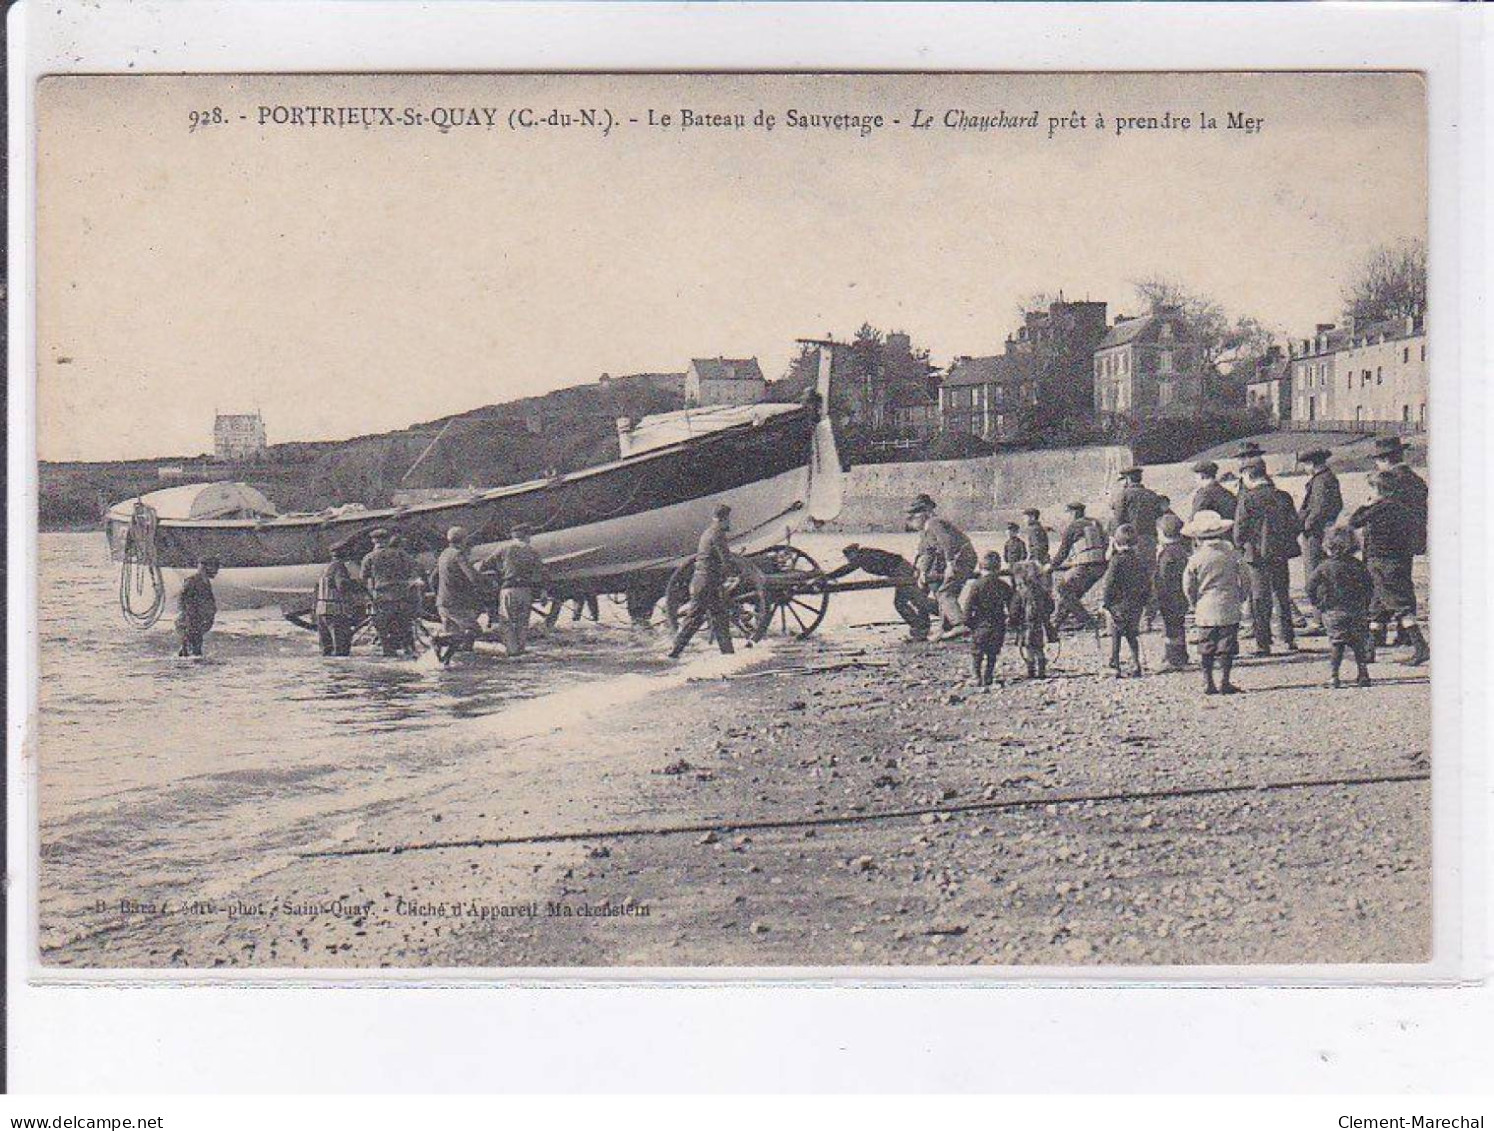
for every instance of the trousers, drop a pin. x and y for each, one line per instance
(1270, 586)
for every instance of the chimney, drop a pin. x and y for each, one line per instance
(1324, 327)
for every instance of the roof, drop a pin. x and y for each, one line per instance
(1133, 328)
(1001, 369)
(727, 368)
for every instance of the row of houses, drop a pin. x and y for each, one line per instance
(1349, 375)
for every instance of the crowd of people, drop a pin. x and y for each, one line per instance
(1227, 566)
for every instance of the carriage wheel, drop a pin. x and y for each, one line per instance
(747, 602)
(796, 588)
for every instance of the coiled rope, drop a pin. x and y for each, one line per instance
(139, 567)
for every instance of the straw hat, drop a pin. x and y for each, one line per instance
(1207, 524)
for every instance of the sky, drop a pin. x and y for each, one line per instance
(347, 280)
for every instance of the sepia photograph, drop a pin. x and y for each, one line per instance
(724, 521)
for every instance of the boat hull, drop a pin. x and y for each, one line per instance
(600, 530)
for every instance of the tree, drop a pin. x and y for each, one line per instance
(1390, 283)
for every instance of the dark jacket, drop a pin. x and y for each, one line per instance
(878, 563)
(1390, 528)
(1014, 551)
(712, 555)
(523, 568)
(1214, 497)
(1036, 535)
(1141, 507)
(1127, 583)
(1085, 539)
(1340, 585)
(988, 599)
(458, 584)
(1322, 504)
(1411, 489)
(1266, 524)
(1167, 582)
(196, 606)
(1031, 611)
(387, 573)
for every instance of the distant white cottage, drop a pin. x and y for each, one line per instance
(724, 380)
(237, 438)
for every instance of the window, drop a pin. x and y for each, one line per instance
(1164, 362)
(1405, 414)
(1423, 352)
(1379, 375)
(1406, 356)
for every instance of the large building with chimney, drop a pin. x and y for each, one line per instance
(1148, 367)
(1362, 375)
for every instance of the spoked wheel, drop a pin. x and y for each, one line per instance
(797, 592)
(747, 602)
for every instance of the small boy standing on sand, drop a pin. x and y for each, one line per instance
(1127, 588)
(1167, 587)
(1015, 549)
(1215, 584)
(1032, 616)
(986, 615)
(1341, 590)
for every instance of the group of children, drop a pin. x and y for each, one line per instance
(1199, 570)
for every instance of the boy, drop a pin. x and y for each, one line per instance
(1127, 586)
(1032, 616)
(1392, 529)
(1341, 591)
(1167, 586)
(1015, 549)
(985, 616)
(1214, 582)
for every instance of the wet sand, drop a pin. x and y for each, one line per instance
(916, 820)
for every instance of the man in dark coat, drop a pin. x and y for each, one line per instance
(907, 598)
(196, 607)
(1211, 495)
(1266, 531)
(1035, 534)
(1390, 530)
(1404, 484)
(387, 572)
(1127, 589)
(1015, 549)
(1322, 503)
(708, 587)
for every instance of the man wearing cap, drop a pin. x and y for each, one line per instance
(1084, 540)
(196, 607)
(1211, 495)
(708, 586)
(1035, 534)
(1266, 532)
(1404, 484)
(523, 571)
(337, 604)
(1140, 507)
(462, 595)
(942, 539)
(387, 573)
(907, 598)
(1015, 549)
(1391, 529)
(1322, 503)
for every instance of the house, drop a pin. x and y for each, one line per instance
(237, 438)
(914, 411)
(1268, 384)
(985, 396)
(724, 380)
(1313, 364)
(1381, 374)
(1147, 367)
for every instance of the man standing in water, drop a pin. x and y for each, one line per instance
(196, 607)
(336, 596)
(708, 586)
(523, 573)
(461, 596)
(387, 572)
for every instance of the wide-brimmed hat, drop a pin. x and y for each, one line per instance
(1390, 446)
(923, 504)
(1129, 473)
(1207, 524)
(1314, 456)
(1206, 467)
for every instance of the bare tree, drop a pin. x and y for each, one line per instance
(1220, 339)
(1390, 283)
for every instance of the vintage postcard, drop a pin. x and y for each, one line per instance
(499, 522)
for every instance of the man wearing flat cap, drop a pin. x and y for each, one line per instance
(1211, 495)
(1035, 534)
(1266, 531)
(462, 595)
(1322, 503)
(1139, 507)
(1084, 541)
(387, 572)
(942, 539)
(708, 587)
(523, 572)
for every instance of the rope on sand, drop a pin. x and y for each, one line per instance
(1174, 794)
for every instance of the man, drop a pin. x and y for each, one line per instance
(1404, 484)
(1391, 529)
(1322, 503)
(337, 601)
(708, 586)
(196, 607)
(907, 598)
(409, 616)
(1211, 495)
(1014, 550)
(942, 539)
(461, 596)
(523, 572)
(1035, 534)
(1266, 532)
(387, 572)
(1083, 539)
(1139, 507)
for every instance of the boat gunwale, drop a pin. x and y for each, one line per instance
(530, 486)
